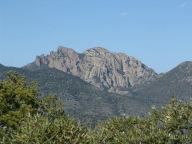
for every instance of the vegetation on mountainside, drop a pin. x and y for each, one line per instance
(27, 118)
(83, 101)
(24, 118)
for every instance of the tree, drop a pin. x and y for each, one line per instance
(17, 98)
(26, 118)
(40, 129)
(172, 124)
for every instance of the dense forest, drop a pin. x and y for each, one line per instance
(26, 117)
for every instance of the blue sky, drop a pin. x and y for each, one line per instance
(157, 32)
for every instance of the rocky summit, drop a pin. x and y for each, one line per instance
(115, 72)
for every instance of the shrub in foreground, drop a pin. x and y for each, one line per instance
(171, 124)
(25, 118)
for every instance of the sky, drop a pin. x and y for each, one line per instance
(157, 32)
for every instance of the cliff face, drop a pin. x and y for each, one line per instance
(115, 72)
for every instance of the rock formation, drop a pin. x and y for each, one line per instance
(115, 72)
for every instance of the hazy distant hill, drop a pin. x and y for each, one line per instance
(177, 83)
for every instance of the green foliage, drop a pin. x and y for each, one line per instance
(17, 98)
(39, 129)
(25, 118)
(51, 107)
(175, 119)
(171, 124)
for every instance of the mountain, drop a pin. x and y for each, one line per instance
(175, 83)
(81, 100)
(115, 72)
(81, 81)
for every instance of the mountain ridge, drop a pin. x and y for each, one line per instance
(82, 100)
(89, 104)
(174, 83)
(116, 72)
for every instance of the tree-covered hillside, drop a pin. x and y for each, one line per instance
(90, 105)
(177, 82)
(82, 100)
(26, 118)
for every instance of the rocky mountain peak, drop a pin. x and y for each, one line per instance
(97, 51)
(115, 72)
(65, 50)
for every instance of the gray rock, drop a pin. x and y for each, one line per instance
(115, 72)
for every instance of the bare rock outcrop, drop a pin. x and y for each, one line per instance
(115, 72)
